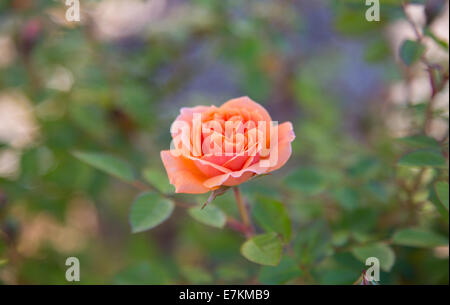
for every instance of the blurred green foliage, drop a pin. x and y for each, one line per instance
(350, 190)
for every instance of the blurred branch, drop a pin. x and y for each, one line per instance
(435, 86)
(417, 32)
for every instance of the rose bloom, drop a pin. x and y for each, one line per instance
(225, 146)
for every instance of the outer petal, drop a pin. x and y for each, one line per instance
(183, 174)
(245, 102)
(285, 136)
(187, 114)
(235, 178)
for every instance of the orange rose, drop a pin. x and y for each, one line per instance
(225, 146)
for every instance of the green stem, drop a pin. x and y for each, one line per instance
(243, 211)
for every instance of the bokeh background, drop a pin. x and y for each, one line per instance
(115, 81)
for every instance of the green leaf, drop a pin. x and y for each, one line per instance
(434, 199)
(377, 51)
(107, 163)
(415, 237)
(347, 198)
(149, 210)
(158, 179)
(313, 243)
(353, 22)
(383, 252)
(3, 145)
(422, 158)
(442, 43)
(196, 275)
(411, 51)
(420, 141)
(306, 180)
(209, 215)
(271, 215)
(91, 118)
(378, 190)
(231, 272)
(363, 167)
(286, 270)
(441, 188)
(340, 238)
(264, 249)
(142, 273)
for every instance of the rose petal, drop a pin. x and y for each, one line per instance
(246, 103)
(187, 114)
(285, 136)
(209, 169)
(183, 174)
